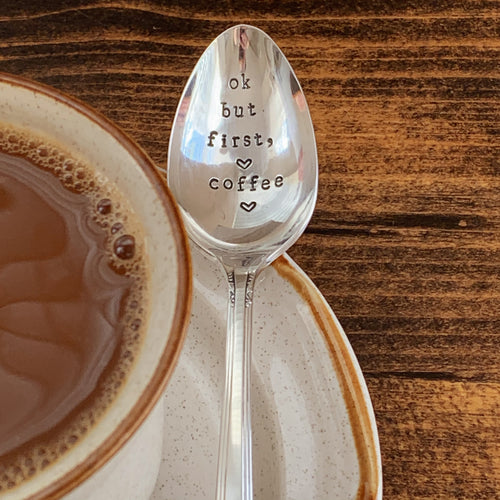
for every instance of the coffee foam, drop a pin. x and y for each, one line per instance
(115, 217)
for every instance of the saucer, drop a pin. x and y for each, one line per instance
(314, 432)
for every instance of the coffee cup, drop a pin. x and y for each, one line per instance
(118, 453)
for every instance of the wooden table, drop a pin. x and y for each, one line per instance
(405, 241)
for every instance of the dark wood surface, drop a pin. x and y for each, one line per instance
(405, 241)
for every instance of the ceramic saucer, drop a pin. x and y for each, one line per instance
(314, 430)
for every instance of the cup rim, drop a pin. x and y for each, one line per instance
(169, 357)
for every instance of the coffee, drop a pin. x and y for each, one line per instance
(73, 300)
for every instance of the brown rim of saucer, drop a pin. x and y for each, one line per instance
(112, 444)
(349, 376)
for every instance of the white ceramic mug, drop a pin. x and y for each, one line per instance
(120, 455)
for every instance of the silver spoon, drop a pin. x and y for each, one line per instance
(242, 165)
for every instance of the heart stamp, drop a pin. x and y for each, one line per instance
(248, 207)
(244, 164)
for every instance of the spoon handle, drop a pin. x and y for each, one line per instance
(234, 469)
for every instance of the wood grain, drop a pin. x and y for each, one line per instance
(405, 241)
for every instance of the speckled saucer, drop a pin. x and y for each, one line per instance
(314, 431)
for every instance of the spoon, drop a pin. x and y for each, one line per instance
(242, 165)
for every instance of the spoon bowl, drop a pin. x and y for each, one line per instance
(243, 167)
(242, 155)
